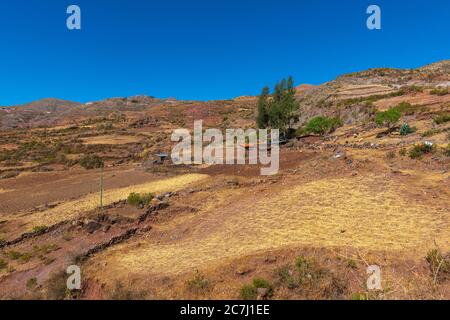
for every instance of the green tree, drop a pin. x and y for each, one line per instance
(278, 110)
(388, 118)
(263, 112)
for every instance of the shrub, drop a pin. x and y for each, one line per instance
(320, 125)
(248, 292)
(447, 150)
(402, 152)
(387, 118)
(91, 162)
(421, 149)
(140, 200)
(439, 91)
(405, 108)
(286, 276)
(261, 283)
(405, 129)
(443, 118)
(14, 255)
(352, 264)
(56, 286)
(390, 155)
(431, 132)
(32, 283)
(439, 265)
(39, 229)
(307, 270)
(359, 296)
(3, 264)
(198, 283)
(119, 292)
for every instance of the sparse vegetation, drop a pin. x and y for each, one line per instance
(390, 155)
(431, 132)
(3, 264)
(443, 118)
(439, 91)
(351, 264)
(320, 126)
(199, 283)
(32, 283)
(447, 150)
(56, 286)
(286, 277)
(307, 269)
(250, 292)
(439, 265)
(405, 129)
(388, 118)
(120, 292)
(402, 152)
(140, 200)
(91, 162)
(419, 150)
(40, 229)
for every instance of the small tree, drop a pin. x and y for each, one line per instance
(278, 110)
(262, 119)
(388, 118)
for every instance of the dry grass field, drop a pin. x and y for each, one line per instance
(342, 200)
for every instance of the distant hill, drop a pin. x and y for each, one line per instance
(343, 97)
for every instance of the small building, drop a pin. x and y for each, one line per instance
(162, 157)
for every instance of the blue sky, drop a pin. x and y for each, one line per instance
(205, 49)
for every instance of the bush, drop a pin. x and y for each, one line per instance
(388, 118)
(3, 264)
(439, 91)
(443, 118)
(56, 286)
(431, 132)
(402, 152)
(308, 272)
(320, 125)
(119, 292)
(39, 229)
(405, 108)
(421, 149)
(198, 283)
(32, 283)
(91, 162)
(439, 265)
(250, 291)
(286, 276)
(261, 283)
(140, 200)
(390, 155)
(405, 129)
(447, 150)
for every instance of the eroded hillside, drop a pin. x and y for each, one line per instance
(362, 194)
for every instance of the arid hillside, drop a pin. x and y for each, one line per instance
(81, 184)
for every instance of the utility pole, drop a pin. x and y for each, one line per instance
(101, 188)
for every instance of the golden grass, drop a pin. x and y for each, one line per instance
(363, 212)
(111, 140)
(70, 209)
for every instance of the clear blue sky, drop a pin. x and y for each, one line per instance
(205, 49)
